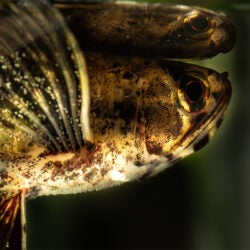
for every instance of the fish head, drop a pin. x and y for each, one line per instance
(199, 33)
(191, 113)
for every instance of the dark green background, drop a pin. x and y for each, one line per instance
(202, 203)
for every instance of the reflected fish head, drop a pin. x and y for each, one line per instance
(199, 33)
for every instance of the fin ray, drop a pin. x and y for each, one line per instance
(44, 82)
(9, 208)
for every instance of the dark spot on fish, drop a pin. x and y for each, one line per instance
(169, 156)
(199, 118)
(7, 124)
(137, 163)
(124, 130)
(154, 148)
(216, 95)
(104, 172)
(45, 153)
(58, 170)
(133, 23)
(218, 123)
(116, 65)
(104, 129)
(4, 175)
(140, 92)
(201, 143)
(90, 175)
(30, 144)
(89, 146)
(210, 71)
(146, 175)
(127, 75)
(4, 178)
(25, 174)
(170, 67)
(58, 164)
(224, 75)
(126, 109)
(119, 30)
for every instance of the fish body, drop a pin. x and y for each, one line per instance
(152, 30)
(74, 122)
(140, 126)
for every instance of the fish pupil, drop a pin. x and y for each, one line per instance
(199, 24)
(194, 91)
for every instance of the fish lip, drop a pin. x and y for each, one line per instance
(222, 106)
(228, 32)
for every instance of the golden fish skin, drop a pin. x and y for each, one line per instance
(143, 119)
(152, 30)
(68, 127)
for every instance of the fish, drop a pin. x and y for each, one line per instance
(152, 30)
(75, 120)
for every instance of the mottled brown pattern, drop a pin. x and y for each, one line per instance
(162, 126)
(4, 177)
(74, 123)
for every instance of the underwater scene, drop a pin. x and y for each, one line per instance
(202, 201)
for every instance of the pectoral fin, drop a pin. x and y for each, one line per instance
(12, 222)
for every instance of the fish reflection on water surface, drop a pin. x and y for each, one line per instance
(74, 123)
(152, 30)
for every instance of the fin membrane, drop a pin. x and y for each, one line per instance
(10, 222)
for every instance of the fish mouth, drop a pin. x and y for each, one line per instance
(225, 36)
(211, 125)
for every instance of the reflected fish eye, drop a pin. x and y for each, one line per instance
(198, 24)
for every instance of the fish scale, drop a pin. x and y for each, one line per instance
(76, 118)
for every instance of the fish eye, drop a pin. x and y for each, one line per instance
(198, 24)
(192, 93)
